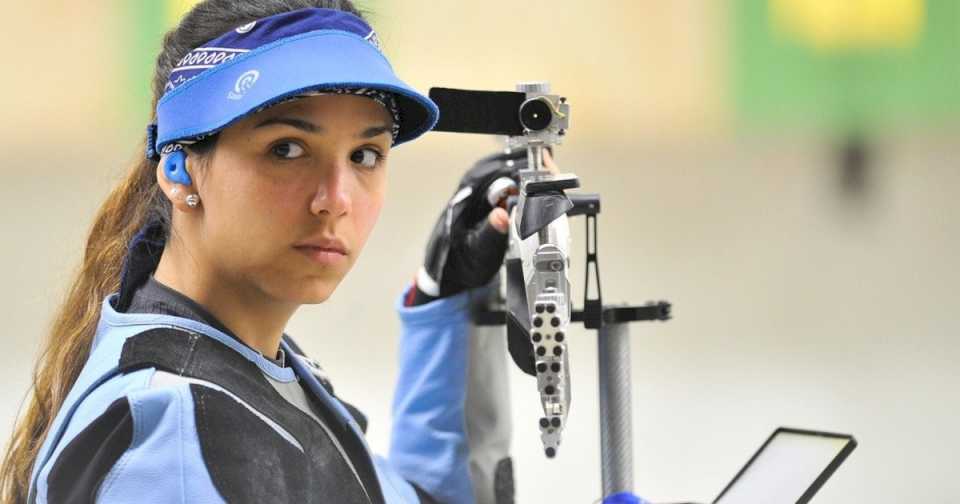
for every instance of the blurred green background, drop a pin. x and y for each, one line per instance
(846, 65)
(783, 171)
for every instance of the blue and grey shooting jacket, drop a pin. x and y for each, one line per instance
(173, 408)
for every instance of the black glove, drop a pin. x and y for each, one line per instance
(465, 250)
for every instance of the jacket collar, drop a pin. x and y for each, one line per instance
(111, 318)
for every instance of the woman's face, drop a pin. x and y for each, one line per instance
(285, 186)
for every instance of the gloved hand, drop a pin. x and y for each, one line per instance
(469, 240)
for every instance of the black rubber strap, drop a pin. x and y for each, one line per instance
(487, 112)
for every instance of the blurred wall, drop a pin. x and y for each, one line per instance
(797, 301)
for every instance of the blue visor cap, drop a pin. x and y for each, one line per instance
(274, 59)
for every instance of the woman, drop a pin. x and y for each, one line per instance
(167, 376)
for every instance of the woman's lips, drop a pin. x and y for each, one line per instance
(321, 255)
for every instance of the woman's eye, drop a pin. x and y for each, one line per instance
(287, 150)
(365, 157)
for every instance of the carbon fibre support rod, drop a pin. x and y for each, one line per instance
(616, 415)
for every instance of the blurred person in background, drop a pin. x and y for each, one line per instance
(167, 375)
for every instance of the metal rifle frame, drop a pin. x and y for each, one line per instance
(613, 338)
(534, 119)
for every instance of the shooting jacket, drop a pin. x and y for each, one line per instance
(172, 408)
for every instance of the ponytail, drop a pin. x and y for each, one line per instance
(67, 346)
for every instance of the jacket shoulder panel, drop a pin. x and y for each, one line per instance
(164, 462)
(77, 416)
(83, 464)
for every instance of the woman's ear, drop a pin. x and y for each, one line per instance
(177, 184)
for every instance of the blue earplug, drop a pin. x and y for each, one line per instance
(175, 168)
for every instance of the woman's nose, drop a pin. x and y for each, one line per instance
(333, 191)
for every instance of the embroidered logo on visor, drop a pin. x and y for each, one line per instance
(247, 27)
(243, 84)
(373, 39)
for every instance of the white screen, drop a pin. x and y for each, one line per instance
(784, 470)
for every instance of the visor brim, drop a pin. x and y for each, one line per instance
(317, 60)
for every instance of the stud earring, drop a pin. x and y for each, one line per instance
(193, 200)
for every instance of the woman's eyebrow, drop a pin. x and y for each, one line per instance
(374, 131)
(300, 124)
(309, 127)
